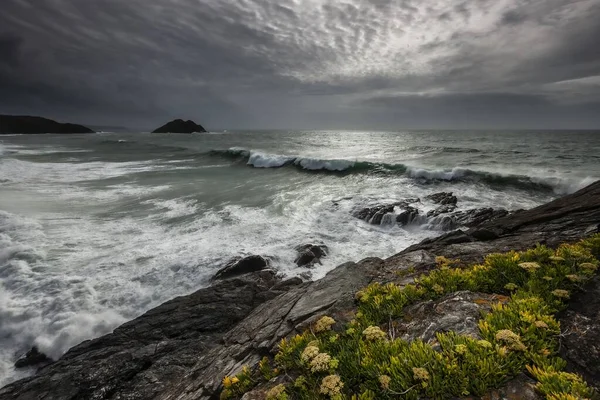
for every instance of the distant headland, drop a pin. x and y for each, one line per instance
(31, 125)
(180, 126)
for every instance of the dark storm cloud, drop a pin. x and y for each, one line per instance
(301, 63)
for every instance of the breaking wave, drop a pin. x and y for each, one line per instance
(256, 159)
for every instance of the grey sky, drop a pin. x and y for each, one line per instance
(304, 63)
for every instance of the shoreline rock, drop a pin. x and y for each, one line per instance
(183, 348)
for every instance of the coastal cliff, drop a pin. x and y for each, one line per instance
(27, 124)
(184, 348)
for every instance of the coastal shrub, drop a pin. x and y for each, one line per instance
(363, 360)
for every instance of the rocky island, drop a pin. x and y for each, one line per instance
(180, 126)
(507, 308)
(26, 124)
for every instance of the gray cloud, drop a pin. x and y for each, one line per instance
(303, 63)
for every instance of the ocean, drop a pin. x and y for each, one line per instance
(97, 229)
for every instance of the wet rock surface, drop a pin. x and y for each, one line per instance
(241, 265)
(32, 358)
(310, 254)
(443, 198)
(183, 348)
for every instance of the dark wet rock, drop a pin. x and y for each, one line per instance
(183, 348)
(310, 254)
(180, 126)
(458, 312)
(580, 325)
(27, 124)
(478, 216)
(408, 215)
(374, 215)
(443, 198)
(32, 358)
(443, 209)
(239, 266)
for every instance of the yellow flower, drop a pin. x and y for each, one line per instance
(510, 286)
(320, 362)
(460, 348)
(588, 266)
(502, 351)
(564, 294)
(235, 380)
(530, 266)
(385, 381)
(324, 324)
(276, 392)
(574, 278)
(331, 385)
(485, 343)
(374, 333)
(309, 353)
(541, 325)
(420, 374)
(227, 381)
(512, 340)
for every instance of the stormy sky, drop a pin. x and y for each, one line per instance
(304, 64)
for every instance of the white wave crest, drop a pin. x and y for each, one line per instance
(445, 175)
(314, 164)
(261, 160)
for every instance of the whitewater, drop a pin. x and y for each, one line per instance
(97, 229)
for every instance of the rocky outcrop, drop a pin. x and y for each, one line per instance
(310, 254)
(27, 124)
(32, 358)
(183, 348)
(240, 266)
(180, 126)
(443, 198)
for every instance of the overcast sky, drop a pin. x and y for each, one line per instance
(364, 64)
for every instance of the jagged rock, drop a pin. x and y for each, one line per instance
(476, 217)
(310, 254)
(458, 312)
(443, 209)
(239, 266)
(443, 198)
(32, 358)
(580, 324)
(180, 126)
(407, 216)
(26, 124)
(375, 214)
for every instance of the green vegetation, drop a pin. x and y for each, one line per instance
(361, 361)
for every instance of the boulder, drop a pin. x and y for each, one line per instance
(27, 124)
(240, 266)
(374, 215)
(32, 358)
(180, 126)
(443, 198)
(408, 215)
(310, 254)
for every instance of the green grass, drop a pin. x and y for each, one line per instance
(361, 361)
